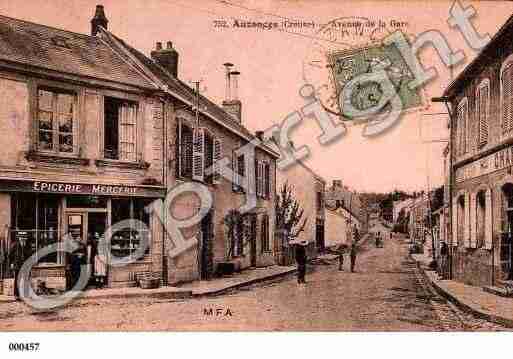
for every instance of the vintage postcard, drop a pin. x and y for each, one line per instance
(237, 165)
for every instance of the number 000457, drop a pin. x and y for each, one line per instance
(23, 347)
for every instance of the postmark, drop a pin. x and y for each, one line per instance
(351, 47)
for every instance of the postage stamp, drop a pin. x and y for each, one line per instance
(347, 48)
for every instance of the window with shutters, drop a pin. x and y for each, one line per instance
(56, 121)
(507, 95)
(239, 170)
(267, 180)
(209, 158)
(198, 154)
(462, 118)
(184, 150)
(483, 111)
(120, 130)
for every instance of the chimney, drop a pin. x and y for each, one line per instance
(232, 104)
(167, 58)
(260, 135)
(98, 20)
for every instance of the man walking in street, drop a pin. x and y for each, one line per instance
(353, 257)
(301, 262)
(341, 258)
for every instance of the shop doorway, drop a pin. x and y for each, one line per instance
(86, 228)
(206, 251)
(253, 239)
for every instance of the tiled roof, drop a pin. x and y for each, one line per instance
(64, 51)
(177, 86)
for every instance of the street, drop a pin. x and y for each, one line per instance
(385, 294)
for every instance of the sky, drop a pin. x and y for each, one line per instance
(272, 66)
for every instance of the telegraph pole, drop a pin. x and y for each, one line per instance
(197, 88)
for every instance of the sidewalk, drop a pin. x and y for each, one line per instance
(471, 299)
(189, 290)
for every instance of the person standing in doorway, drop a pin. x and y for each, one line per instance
(17, 255)
(301, 262)
(353, 257)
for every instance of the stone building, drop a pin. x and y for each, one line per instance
(82, 143)
(481, 100)
(339, 197)
(94, 132)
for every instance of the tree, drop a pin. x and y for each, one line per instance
(234, 222)
(289, 212)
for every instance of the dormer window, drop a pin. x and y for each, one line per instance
(60, 41)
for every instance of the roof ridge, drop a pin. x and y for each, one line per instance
(49, 27)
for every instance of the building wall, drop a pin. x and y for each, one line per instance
(18, 107)
(336, 229)
(184, 267)
(472, 265)
(305, 186)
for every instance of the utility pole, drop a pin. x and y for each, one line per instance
(197, 89)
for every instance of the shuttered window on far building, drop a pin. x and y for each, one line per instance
(462, 126)
(507, 98)
(483, 110)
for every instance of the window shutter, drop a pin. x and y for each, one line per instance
(473, 221)
(178, 149)
(258, 169)
(483, 112)
(218, 154)
(455, 223)
(268, 179)
(235, 170)
(464, 128)
(127, 132)
(507, 92)
(466, 221)
(488, 219)
(198, 158)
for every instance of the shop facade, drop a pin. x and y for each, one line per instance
(48, 213)
(82, 149)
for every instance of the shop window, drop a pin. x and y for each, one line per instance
(36, 223)
(56, 121)
(86, 202)
(120, 130)
(126, 242)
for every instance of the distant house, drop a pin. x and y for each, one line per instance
(308, 188)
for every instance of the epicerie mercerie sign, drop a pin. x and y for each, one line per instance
(486, 165)
(96, 189)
